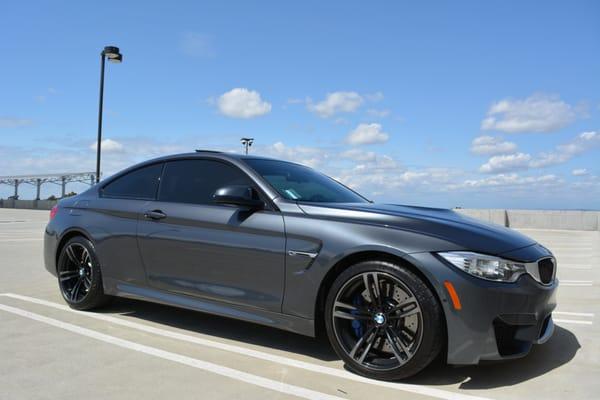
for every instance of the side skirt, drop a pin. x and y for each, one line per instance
(286, 322)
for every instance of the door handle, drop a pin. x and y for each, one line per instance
(155, 214)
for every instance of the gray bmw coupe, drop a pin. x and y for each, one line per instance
(279, 244)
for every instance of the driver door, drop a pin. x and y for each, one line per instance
(192, 246)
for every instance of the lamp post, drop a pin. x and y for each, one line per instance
(247, 142)
(113, 55)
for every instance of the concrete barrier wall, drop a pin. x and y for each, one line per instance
(497, 216)
(28, 204)
(539, 219)
(576, 220)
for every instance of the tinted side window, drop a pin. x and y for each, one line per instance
(195, 181)
(139, 184)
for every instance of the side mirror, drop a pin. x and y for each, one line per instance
(238, 195)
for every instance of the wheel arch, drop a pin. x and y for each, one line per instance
(66, 236)
(360, 256)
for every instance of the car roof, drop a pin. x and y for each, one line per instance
(197, 154)
(213, 153)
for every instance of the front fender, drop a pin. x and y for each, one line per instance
(335, 241)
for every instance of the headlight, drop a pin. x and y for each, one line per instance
(484, 266)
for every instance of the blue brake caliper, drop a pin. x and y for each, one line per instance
(356, 324)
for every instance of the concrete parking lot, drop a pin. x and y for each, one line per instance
(140, 350)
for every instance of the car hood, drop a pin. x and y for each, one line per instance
(465, 232)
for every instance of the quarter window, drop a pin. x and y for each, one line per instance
(195, 181)
(139, 184)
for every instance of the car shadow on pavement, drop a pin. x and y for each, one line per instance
(222, 327)
(559, 350)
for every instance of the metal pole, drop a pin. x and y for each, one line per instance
(39, 185)
(98, 147)
(64, 185)
(16, 188)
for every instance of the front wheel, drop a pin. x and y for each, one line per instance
(383, 320)
(79, 276)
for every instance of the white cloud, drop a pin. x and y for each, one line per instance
(564, 152)
(378, 113)
(310, 156)
(536, 113)
(520, 161)
(335, 103)
(492, 145)
(506, 162)
(367, 134)
(580, 172)
(12, 122)
(197, 45)
(359, 155)
(108, 146)
(374, 179)
(507, 180)
(243, 103)
(369, 172)
(379, 164)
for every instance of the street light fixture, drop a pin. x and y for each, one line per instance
(113, 54)
(247, 142)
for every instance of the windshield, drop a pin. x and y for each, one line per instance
(300, 183)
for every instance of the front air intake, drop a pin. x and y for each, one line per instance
(547, 269)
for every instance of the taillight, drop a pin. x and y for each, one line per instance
(53, 212)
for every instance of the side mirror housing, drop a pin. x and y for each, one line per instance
(238, 195)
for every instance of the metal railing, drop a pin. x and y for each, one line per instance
(38, 180)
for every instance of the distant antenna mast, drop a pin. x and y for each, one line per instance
(247, 142)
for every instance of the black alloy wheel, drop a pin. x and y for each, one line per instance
(382, 320)
(79, 275)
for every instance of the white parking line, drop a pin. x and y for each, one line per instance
(178, 358)
(573, 321)
(415, 389)
(574, 314)
(574, 266)
(576, 283)
(21, 240)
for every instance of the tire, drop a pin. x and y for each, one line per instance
(388, 332)
(79, 275)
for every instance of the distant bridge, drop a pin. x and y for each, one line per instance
(57, 179)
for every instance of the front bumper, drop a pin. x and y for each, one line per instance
(497, 320)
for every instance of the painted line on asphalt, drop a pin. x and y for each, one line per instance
(566, 231)
(574, 314)
(573, 321)
(20, 235)
(573, 267)
(178, 358)
(22, 240)
(576, 283)
(589, 246)
(404, 387)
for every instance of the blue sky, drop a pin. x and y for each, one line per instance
(472, 104)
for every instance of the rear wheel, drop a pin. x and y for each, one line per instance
(383, 320)
(79, 276)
